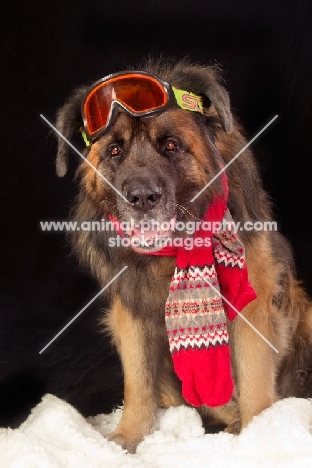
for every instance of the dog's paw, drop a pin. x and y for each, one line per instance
(122, 439)
(234, 428)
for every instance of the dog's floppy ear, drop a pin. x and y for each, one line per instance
(68, 122)
(204, 80)
(221, 101)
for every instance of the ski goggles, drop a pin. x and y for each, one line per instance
(136, 92)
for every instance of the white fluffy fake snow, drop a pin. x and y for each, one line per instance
(56, 435)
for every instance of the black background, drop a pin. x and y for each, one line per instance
(50, 47)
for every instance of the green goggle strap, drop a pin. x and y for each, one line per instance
(84, 136)
(188, 101)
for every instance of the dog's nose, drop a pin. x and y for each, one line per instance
(144, 197)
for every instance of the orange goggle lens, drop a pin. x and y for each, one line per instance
(137, 93)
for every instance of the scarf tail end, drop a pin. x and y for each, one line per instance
(205, 374)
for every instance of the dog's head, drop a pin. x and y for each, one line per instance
(153, 166)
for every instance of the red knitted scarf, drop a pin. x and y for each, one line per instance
(195, 313)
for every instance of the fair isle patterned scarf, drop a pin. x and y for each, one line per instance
(195, 313)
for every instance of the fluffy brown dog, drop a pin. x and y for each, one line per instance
(159, 164)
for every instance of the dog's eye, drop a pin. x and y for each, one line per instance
(171, 147)
(114, 150)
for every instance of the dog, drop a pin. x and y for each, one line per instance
(155, 161)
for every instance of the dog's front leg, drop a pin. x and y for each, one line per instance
(254, 362)
(140, 400)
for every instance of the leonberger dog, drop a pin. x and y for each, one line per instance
(154, 163)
